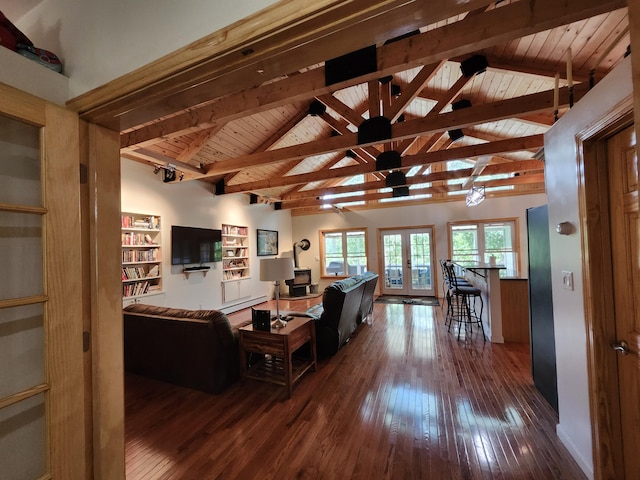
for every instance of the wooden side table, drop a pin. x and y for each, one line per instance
(278, 365)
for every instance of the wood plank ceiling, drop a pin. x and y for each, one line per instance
(292, 139)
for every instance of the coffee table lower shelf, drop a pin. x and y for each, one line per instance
(277, 363)
(271, 369)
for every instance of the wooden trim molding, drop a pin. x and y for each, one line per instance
(598, 289)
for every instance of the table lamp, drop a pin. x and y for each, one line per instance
(275, 270)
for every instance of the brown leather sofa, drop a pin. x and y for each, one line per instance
(345, 305)
(192, 348)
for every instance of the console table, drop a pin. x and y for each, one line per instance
(276, 347)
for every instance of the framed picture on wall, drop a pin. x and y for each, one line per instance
(267, 242)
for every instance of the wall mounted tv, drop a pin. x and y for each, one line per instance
(195, 245)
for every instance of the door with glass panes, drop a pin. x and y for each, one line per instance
(41, 381)
(407, 261)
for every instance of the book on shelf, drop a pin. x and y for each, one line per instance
(148, 222)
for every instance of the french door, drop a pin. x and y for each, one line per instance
(41, 378)
(407, 261)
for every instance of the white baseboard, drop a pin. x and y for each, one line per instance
(585, 465)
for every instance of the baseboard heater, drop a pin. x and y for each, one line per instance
(249, 302)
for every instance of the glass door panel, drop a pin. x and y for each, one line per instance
(21, 254)
(21, 347)
(22, 439)
(392, 261)
(407, 262)
(420, 254)
(19, 163)
(23, 384)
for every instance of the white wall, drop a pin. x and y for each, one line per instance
(101, 40)
(193, 204)
(561, 174)
(436, 215)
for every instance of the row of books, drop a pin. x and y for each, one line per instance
(235, 264)
(235, 252)
(129, 221)
(133, 273)
(132, 238)
(133, 289)
(233, 275)
(233, 230)
(130, 256)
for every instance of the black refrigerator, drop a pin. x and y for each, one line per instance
(543, 347)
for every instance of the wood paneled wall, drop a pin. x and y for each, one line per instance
(515, 309)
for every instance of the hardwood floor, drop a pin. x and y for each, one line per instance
(402, 400)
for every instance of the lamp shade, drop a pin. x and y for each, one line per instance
(275, 269)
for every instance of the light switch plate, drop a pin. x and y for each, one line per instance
(567, 280)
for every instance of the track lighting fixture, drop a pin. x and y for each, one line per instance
(169, 172)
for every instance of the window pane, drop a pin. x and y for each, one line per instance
(464, 240)
(20, 255)
(333, 258)
(22, 347)
(356, 253)
(479, 242)
(19, 163)
(22, 439)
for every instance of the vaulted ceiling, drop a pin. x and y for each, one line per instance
(283, 118)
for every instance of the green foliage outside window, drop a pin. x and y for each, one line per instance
(345, 248)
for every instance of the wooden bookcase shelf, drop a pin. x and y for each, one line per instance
(235, 252)
(141, 255)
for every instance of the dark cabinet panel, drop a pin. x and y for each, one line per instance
(543, 349)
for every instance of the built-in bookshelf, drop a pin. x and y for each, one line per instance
(235, 252)
(141, 255)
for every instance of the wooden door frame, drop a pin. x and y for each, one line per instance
(593, 193)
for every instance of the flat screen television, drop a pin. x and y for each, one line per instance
(190, 245)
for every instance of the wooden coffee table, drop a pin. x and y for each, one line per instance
(277, 364)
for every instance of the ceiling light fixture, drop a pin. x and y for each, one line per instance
(169, 172)
(475, 195)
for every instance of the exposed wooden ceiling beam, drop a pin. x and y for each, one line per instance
(373, 196)
(400, 131)
(443, 101)
(368, 153)
(144, 155)
(198, 144)
(349, 114)
(408, 161)
(511, 168)
(411, 91)
(476, 32)
(273, 139)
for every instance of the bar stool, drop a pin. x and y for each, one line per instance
(462, 307)
(446, 287)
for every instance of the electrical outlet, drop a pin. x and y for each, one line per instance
(567, 280)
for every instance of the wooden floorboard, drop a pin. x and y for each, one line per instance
(404, 399)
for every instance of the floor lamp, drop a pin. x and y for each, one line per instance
(275, 270)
